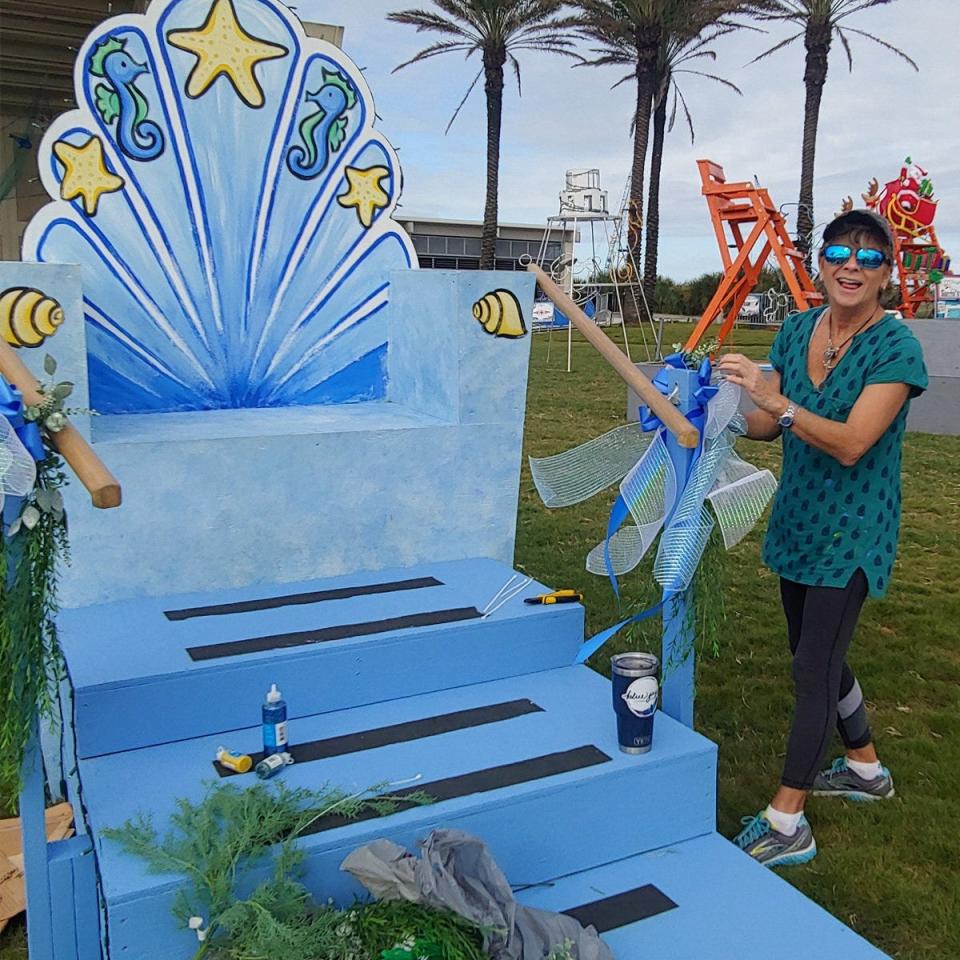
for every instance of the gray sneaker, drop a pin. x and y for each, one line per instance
(839, 780)
(768, 846)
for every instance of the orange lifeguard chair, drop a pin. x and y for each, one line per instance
(738, 207)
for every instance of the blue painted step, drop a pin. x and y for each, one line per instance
(157, 670)
(547, 788)
(727, 907)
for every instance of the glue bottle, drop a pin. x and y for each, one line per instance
(274, 716)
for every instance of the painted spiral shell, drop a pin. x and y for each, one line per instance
(28, 316)
(500, 314)
(230, 205)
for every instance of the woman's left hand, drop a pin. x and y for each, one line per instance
(744, 372)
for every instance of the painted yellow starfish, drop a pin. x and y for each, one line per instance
(85, 174)
(365, 193)
(222, 46)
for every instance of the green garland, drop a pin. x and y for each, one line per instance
(31, 551)
(218, 842)
(233, 831)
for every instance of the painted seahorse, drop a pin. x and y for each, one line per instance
(323, 131)
(120, 100)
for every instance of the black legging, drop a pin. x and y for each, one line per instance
(820, 624)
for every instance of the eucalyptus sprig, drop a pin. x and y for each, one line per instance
(51, 413)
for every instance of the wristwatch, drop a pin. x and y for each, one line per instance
(787, 417)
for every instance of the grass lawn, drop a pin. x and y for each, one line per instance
(889, 870)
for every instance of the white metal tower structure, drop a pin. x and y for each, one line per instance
(600, 269)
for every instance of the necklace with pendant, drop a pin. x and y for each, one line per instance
(831, 352)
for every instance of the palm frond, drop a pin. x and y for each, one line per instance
(426, 20)
(847, 8)
(516, 72)
(627, 79)
(885, 45)
(713, 76)
(434, 50)
(846, 46)
(686, 112)
(463, 101)
(775, 48)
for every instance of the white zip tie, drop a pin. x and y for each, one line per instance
(498, 594)
(507, 597)
(401, 783)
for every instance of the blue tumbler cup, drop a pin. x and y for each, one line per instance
(635, 693)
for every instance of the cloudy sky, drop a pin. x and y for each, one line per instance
(869, 121)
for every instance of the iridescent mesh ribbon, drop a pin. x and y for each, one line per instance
(721, 489)
(18, 469)
(647, 490)
(584, 471)
(739, 505)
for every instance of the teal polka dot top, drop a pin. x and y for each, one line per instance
(828, 520)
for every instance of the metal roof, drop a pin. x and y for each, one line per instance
(39, 40)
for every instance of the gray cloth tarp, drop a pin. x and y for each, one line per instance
(456, 871)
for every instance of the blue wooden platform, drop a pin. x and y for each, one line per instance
(486, 714)
(727, 908)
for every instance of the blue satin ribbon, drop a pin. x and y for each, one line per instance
(619, 512)
(11, 407)
(591, 646)
(702, 396)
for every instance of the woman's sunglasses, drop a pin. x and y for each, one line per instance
(867, 258)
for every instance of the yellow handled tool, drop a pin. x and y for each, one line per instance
(557, 596)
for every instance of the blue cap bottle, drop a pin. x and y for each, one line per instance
(274, 718)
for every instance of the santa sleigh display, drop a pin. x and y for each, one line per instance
(908, 204)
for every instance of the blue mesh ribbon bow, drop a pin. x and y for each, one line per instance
(673, 507)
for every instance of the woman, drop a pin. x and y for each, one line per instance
(843, 376)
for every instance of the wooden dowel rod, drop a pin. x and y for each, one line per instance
(90, 470)
(686, 433)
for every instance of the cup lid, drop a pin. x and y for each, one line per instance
(634, 664)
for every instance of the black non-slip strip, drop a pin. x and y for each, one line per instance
(401, 732)
(622, 909)
(480, 781)
(297, 599)
(277, 641)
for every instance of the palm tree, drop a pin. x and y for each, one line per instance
(497, 30)
(631, 31)
(819, 21)
(677, 49)
(654, 37)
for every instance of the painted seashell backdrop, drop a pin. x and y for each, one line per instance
(229, 202)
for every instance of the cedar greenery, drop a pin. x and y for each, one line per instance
(30, 661)
(31, 550)
(235, 835)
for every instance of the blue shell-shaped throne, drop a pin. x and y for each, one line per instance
(230, 203)
(247, 291)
